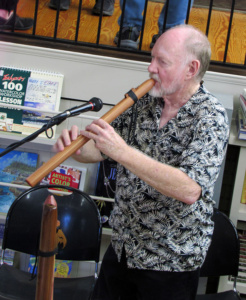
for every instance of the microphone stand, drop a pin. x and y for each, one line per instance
(56, 120)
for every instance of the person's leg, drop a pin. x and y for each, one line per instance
(4, 14)
(8, 4)
(8, 20)
(64, 4)
(133, 13)
(156, 285)
(177, 12)
(108, 7)
(116, 281)
(112, 281)
(176, 15)
(132, 23)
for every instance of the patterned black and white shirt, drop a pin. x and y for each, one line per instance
(159, 232)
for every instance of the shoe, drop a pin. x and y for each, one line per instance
(154, 39)
(129, 38)
(18, 23)
(64, 4)
(108, 7)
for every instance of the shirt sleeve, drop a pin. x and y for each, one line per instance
(203, 158)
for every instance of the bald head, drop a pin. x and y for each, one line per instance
(188, 43)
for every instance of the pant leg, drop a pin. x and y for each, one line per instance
(177, 12)
(8, 4)
(117, 282)
(156, 285)
(112, 282)
(133, 13)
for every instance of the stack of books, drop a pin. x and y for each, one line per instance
(241, 117)
(242, 259)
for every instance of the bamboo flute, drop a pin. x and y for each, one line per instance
(112, 114)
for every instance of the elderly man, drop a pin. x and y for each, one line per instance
(169, 149)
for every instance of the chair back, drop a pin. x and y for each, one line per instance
(223, 254)
(79, 218)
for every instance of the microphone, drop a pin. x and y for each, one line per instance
(94, 104)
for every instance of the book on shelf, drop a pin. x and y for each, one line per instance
(241, 130)
(242, 116)
(62, 268)
(40, 90)
(105, 187)
(8, 254)
(243, 103)
(243, 196)
(244, 93)
(68, 176)
(242, 258)
(15, 167)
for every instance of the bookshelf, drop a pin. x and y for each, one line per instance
(238, 210)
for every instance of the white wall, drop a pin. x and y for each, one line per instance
(108, 78)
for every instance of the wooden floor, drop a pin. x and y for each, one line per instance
(89, 26)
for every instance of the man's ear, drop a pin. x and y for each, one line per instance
(193, 68)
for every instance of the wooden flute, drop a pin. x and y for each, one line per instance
(111, 115)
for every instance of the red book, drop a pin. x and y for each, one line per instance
(68, 176)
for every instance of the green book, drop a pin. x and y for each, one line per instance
(38, 90)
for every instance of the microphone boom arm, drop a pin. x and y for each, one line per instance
(32, 136)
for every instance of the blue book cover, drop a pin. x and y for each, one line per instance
(15, 167)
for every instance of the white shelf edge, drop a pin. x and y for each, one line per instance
(26, 187)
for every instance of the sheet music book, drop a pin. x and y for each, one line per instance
(36, 89)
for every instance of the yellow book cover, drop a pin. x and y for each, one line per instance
(63, 268)
(243, 197)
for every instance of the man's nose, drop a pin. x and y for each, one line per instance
(152, 67)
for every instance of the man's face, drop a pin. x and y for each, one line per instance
(168, 65)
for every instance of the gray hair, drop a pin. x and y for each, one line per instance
(197, 46)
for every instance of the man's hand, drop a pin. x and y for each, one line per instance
(105, 138)
(65, 139)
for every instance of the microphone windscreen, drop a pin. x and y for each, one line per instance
(97, 103)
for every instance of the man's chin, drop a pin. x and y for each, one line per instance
(154, 92)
